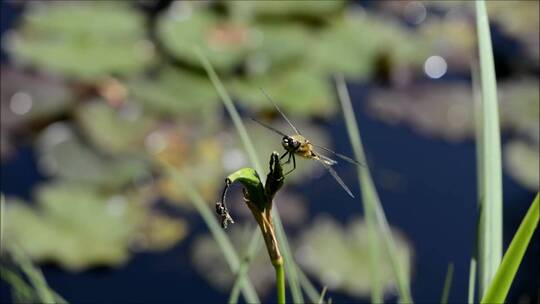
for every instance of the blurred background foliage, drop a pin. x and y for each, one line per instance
(104, 91)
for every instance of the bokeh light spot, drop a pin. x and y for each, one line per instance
(20, 103)
(435, 67)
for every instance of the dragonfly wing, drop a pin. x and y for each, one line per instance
(336, 177)
(346, 158)
(327, 160)
(269, 127)
(280, 112)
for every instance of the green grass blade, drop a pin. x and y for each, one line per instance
(498, 289)
(217, 232)
(34, 275)
(308, 287)
(372, 205)
(290, 265)
(477, 99)
(472, 280)
(323, 293)
(237, 120)
(447, 283)
(491, 221)
(2, 223)
(253, 247)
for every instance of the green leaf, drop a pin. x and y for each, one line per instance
(62, 154)
(522, 161)
(66, 39)
(490, 253)
(69, 217)
(311, 8)
(252, 183)
(503, 278)
(114, 131)
(227, 250)
(185, 26)
(339, 257)
(178, 93)
(299, 90)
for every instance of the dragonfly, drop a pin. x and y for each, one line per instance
(298, 145)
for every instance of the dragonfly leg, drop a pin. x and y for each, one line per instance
(294, 163)
(284, 154)
(289, 159)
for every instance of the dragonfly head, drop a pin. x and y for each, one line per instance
(290, 144)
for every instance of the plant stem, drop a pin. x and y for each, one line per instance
(253, 248)
(215, 229)
(280, 281)
(249, 147)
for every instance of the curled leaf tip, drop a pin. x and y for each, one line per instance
(221, 207)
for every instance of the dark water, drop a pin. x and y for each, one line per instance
(435, 209)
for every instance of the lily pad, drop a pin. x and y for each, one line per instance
(310, 8)
(176, 92)
(114, 131)
(520, 107)
(339, 257)
(32, 97)
(73, 225)
(211, 265)
(78, 226)
(186, 26)
(158, 232)
(522, 161)
(200, 158)
(62, 154)
(65, 38)
(353, 45)
(279, 45)
(299, 91)
(442, 110)
(26, 99)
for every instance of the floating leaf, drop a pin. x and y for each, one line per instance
(300, 91)
(114, 131)
(62, 154)
(339, 257)
(65, 38)
(201, 159)
(25, 99)
(354, 44)
(279, 45)
(159, 232)
(74, 225)
(223, 42)
(32, 97)
(176, 92)
(210, 263)
(522, 161)
(443, 110)
(310, 8)
(520, 107)
(78, 226)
